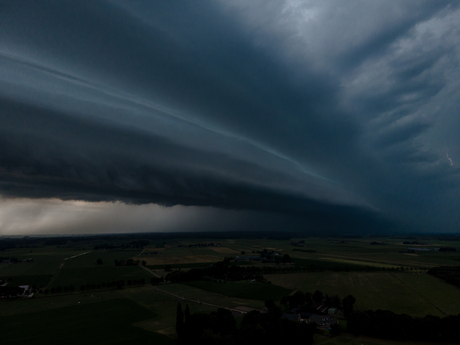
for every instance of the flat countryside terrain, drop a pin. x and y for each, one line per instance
(383, 276)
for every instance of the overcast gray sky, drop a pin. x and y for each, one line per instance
(126, 116)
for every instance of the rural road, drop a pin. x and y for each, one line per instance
(71, 257)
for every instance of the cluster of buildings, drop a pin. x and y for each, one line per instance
(23, 291)
(199, 245)
(322, 315)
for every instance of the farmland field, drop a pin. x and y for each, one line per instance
(246, 290)
(77, 276)
(411, 293)
(380, 276)
(106, 322)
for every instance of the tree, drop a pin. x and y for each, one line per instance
(187, 313)
(286, 258)
(308, 298)
(269, 303)
(179, 320)
(334, 330)
(119, 283)
(155, 280)
(144, 262)
(285, 301)
(335, 301)
(298, 298)
(99, 261)
(318, 296)
(347, 303)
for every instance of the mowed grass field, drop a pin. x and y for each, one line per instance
(78, 276)
(409, 293)
(84, 269)
(243, 289)
(215, 298)
(40, 271)
(164, 303)
(105, 322)
(391, 254)
(173, 254)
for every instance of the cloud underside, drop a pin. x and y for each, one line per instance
(317, 111)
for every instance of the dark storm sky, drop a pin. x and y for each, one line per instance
(217, 115)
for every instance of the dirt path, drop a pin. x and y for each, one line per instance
(197, 301)
(148, 270)
(189, 299)
(76, 256)
(62, 264)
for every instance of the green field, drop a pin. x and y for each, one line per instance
(78, 276)
(246, 290)
(410, 293)
(106, 322)
(146, 314)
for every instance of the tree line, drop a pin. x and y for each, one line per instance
(388, 325)
(220, 327)
(450, 274)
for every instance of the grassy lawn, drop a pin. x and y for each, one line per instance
(413, 294)
(246, 290)
(106, 322)
(216, 298)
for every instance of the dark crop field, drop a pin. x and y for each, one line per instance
(106, 322)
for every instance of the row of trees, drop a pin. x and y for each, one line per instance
(138, 244)
(221, 270)
(450, 274)
(220, 327)
(386, 324)
(305, 300)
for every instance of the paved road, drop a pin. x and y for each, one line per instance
(76, 256)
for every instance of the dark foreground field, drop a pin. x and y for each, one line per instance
(104, 322)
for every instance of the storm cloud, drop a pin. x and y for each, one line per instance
(312, 114)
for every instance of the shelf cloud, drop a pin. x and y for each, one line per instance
(296, 115)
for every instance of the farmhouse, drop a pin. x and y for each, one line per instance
(323, 321)
(248, 258)
(425, 249)
(15, 291)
